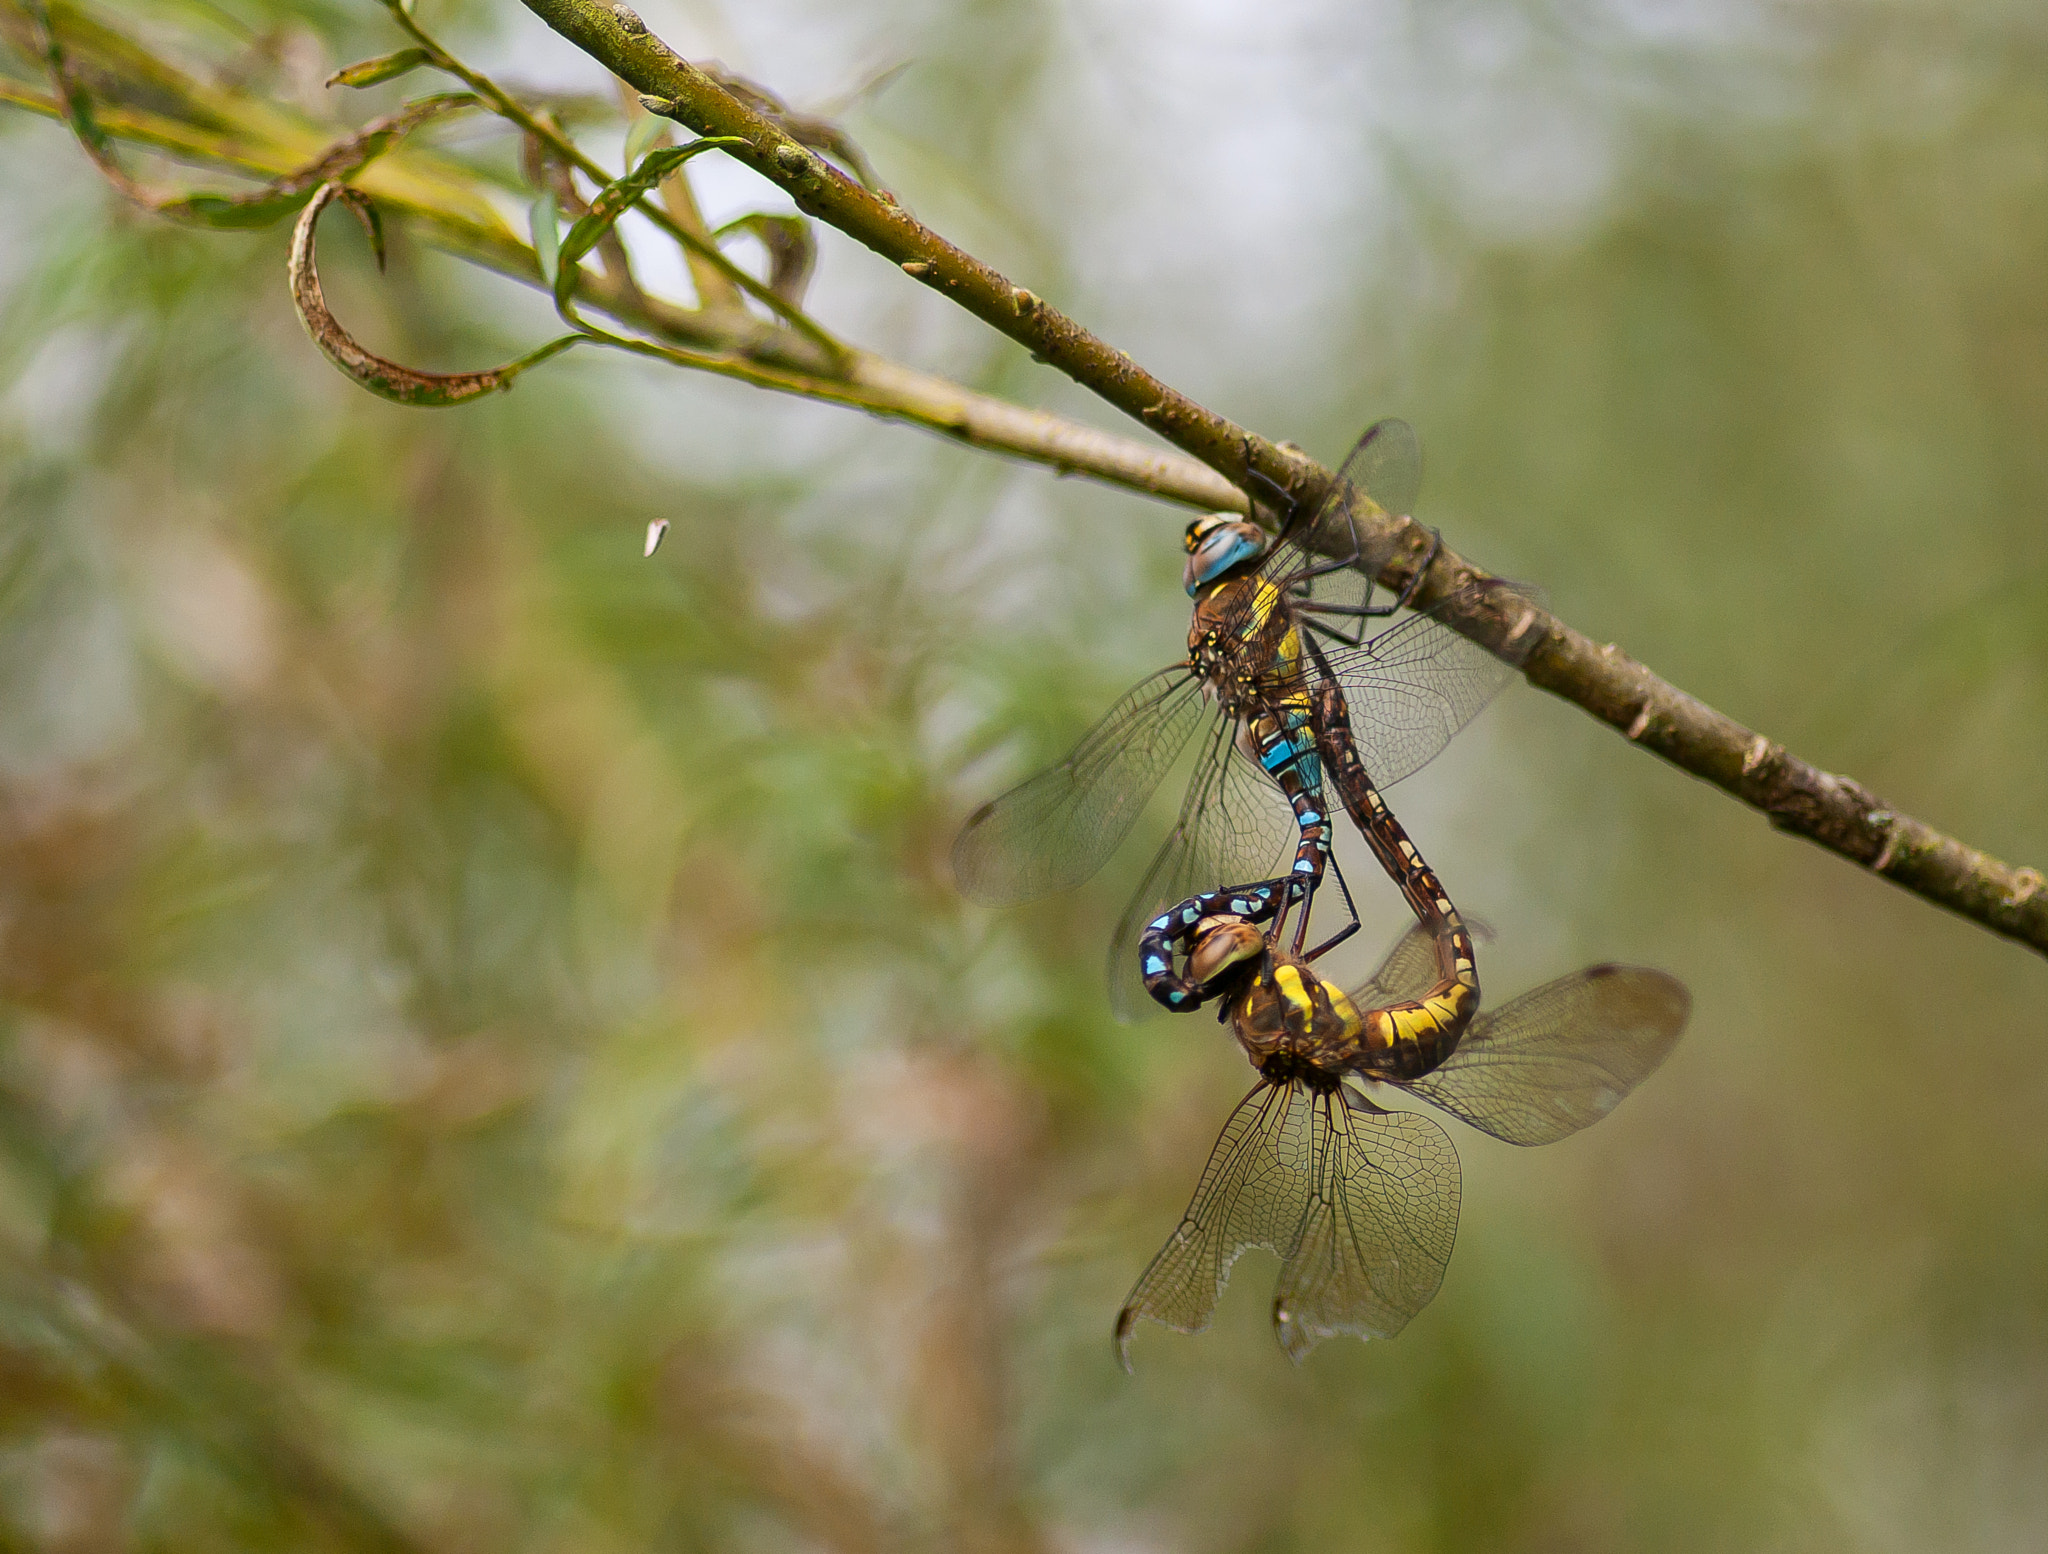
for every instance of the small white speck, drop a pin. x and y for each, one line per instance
(655, 531)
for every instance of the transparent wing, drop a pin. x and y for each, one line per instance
(1235, 828)
(1560, 1058)
(1253, 1192)
(1407, 973)
(1410, 688)
(1054, 830)
(1381, 474)
(1385, 467)
(1381, 1218)
(1360, 1206)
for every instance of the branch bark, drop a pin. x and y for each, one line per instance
(1797, 797)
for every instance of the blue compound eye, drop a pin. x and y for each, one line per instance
(1214, 547)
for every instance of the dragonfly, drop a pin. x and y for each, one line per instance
(1359, 1202)
(1242, 698)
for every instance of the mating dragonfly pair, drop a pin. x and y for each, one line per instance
(1285, 694)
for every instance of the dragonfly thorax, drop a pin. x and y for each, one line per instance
(1286, 1014)
(1291, 1068)
(1244, 645)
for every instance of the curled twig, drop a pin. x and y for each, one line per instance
(387, 379)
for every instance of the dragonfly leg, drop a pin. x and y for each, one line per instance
(1298, 890)
(1323, 629)
(1368, 610)
(1334, 940)
(1350, 928)
(1413, 586)
(1277, 496)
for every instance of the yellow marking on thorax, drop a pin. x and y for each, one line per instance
(1265, 600)
(1289, 646)
(1345, 1010)
(1288, 980)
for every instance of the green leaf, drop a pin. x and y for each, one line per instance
(369, 72)
(228, 213)
(546, 222)
(641, 137)
(616, 198)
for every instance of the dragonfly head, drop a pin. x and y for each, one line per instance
(1217, 543)
(1220, 943)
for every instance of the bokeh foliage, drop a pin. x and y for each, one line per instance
(491, 1057)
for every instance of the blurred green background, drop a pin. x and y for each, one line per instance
(490, 1055)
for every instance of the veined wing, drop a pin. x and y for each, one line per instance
(1054, 830)
(1381, 475)
(1562, 1057)
(1410, 968)
(1235, 828)
(1410, 688)
(1361, 1206)
(1381, 1218)
(1253, 1192)
(1408, 972)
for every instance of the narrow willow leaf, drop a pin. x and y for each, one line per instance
(234, 212)
(616, 198)
(384, 67)
(386, 379)
(546, 222)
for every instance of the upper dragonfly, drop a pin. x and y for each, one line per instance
(1245, 696)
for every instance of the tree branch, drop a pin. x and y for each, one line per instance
(1798, 798)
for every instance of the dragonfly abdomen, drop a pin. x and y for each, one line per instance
(1406, 1039)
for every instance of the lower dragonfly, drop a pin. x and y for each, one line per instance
(1361, 1203)
(1243, 696)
